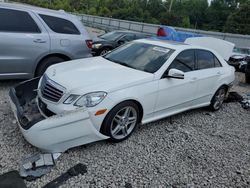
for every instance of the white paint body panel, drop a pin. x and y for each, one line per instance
(159, 97)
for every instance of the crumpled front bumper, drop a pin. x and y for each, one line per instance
(56, 133)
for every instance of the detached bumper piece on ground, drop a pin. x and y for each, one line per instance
(14, 180)
(37, 165)
(53, 134)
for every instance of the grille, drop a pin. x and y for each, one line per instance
(51, 90)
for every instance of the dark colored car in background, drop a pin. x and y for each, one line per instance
(239, 58)
(247, 73)
(112, 40)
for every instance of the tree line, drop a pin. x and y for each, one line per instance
(231, 16)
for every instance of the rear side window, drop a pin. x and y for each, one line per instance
(185, 61)
(141, 36)
(206, 60)
(60, 25)
(17, 21)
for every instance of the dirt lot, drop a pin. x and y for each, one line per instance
(195, 149)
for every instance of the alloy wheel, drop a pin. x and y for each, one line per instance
(123, 122)
(103, 52)
(219, 98)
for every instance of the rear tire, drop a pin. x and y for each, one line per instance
(44, 64)
(121, 121)
(104, 51)
(218, 99)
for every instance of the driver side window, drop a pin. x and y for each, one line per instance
(185, 61)
(128, 37)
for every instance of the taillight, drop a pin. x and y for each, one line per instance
(89, 43)
(161, 32)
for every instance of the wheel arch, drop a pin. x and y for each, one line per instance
(61, 55)
(110, 47)
(140, 107)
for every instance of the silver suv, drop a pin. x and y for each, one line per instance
(32, 39)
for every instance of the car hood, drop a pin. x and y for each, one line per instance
(95, 74)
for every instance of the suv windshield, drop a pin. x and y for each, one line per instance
(112, 36)
(140, 56)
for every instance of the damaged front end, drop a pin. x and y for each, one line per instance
(53, 133)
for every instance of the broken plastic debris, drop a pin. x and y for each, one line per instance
(74, 171)
(37, 165)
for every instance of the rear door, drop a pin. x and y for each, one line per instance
(65, 37)
(22, 43)
(208, 74)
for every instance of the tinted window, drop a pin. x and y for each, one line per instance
(60, 25)
(185, 61)
(205, 59)
(140, 36)
(17, 21)
(128, 37)
(111, 36)
(216, 62)
(140, 56)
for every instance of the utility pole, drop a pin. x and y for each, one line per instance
(170, 6)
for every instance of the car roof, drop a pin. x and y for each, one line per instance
(33, 8)
(129, 31)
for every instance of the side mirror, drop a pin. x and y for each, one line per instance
(175, 73)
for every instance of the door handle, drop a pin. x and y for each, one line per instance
(39, 41)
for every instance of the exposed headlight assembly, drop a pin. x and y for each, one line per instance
(91, 99)
(97, 46)
(88, 100)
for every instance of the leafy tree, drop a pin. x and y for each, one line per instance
(239, 22)
(220, 15)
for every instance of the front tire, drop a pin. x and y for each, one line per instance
(218, 99)
(121, 121)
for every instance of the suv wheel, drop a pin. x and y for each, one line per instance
(44, 64)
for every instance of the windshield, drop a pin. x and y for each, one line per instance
(111, 36)
(140, 56)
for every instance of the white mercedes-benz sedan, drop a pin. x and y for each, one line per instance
(106, 97)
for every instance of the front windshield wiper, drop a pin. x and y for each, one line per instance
(119, 62)
(126, 65)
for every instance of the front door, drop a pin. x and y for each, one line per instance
(176, 95)
(22, 43)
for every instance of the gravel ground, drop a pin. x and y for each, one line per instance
(197, 148)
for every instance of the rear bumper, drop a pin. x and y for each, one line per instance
(95, 52)
(56, 133)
